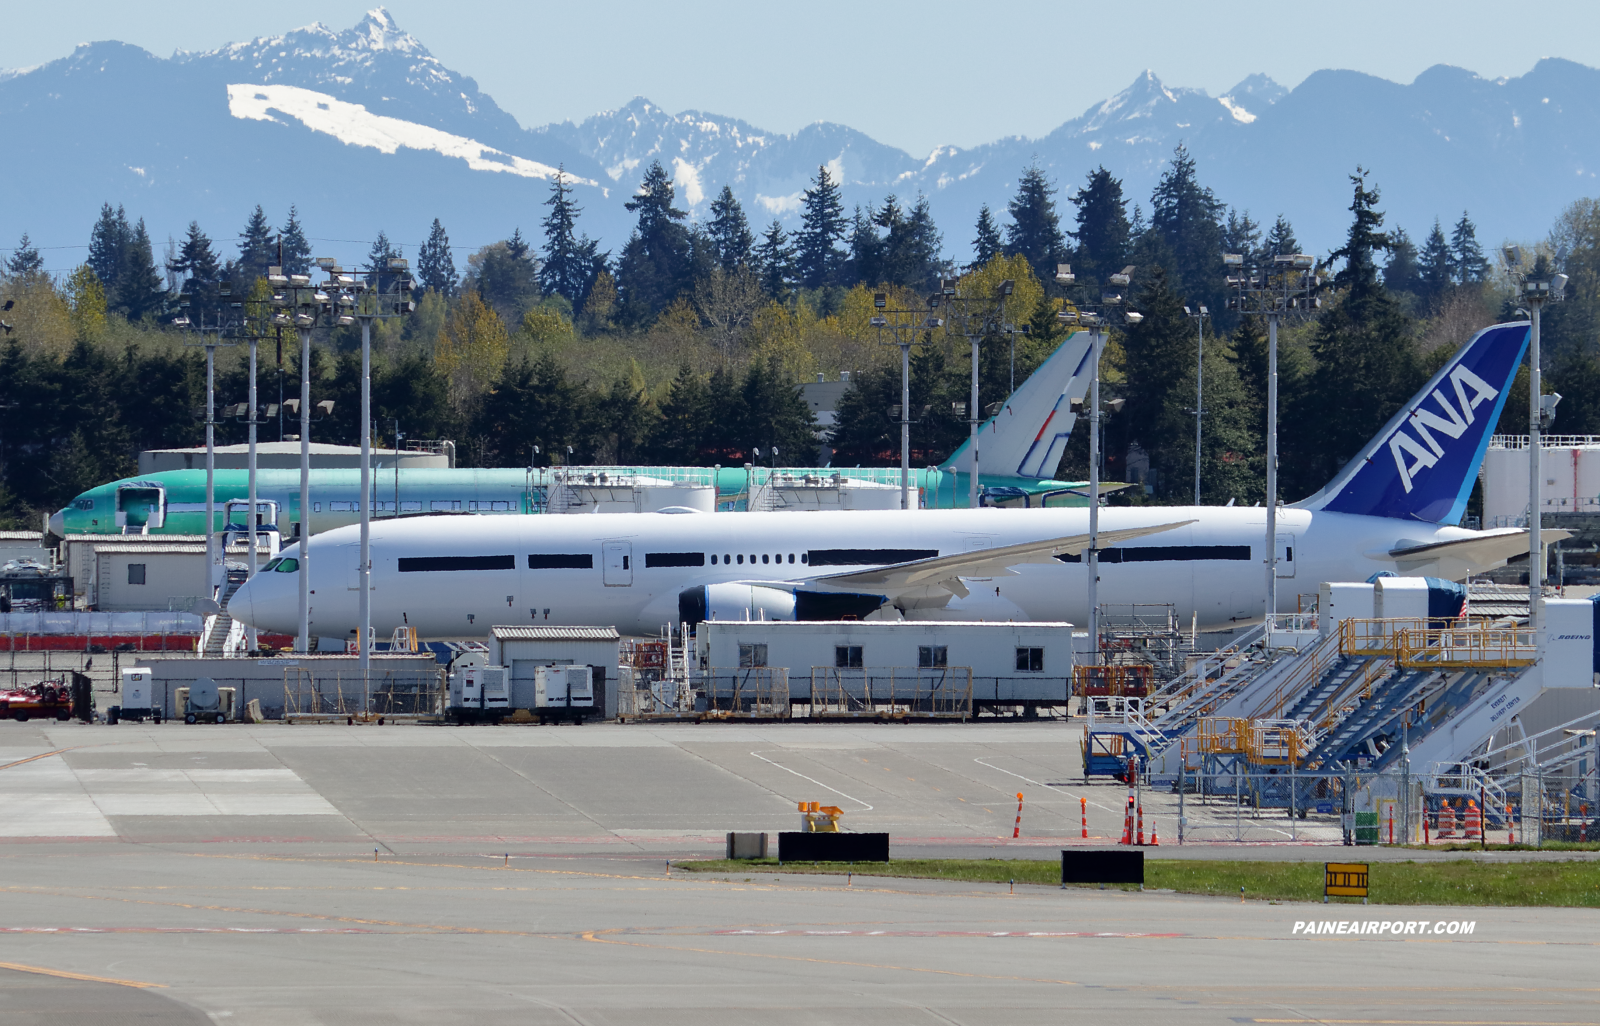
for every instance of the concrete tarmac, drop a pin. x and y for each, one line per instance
(300, 874)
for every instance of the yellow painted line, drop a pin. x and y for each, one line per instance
(41, 755)
(40, 970)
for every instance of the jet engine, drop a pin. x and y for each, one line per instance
(731, 601)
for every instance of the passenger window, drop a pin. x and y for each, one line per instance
(726, 558)
(802, 557)
(713, 559)
(763, 557)
(741, 558)
(791, 557)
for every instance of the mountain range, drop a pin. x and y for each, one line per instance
(364, 130)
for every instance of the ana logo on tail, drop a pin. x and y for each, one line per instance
(1424, 422)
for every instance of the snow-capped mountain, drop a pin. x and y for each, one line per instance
(364, 130)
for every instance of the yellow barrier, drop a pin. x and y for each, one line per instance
(1374, 637)
(1222, 735)
(1468, 648)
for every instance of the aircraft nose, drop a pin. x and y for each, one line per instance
(241, 606)
(58, 523)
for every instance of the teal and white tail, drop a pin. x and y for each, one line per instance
(1029, 435)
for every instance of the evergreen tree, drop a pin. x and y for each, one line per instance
(1104, 236)
(1467, 262)
(908, 253)
(140, 290)
(257, 250)
(987, 244)
(1281, 240)
(774, 261)
(296, 249)
(1435, 266)
(1184, 215)
(108, 245)
(1242, 235)
(777, 415)
(1362, 344)
(822, 225)
(1035, 229)
(1401, 272)
(865, 260)
(197, 261)
(505, 276)
(1159, 354)
(25, 260)
(730, 231)
(567, 268)
(679, 436)
(436, 267)
(658, 263)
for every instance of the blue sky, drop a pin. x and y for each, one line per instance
(912, 74)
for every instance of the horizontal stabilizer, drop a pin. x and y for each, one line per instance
(1454, 560)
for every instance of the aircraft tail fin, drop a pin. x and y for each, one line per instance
(1029, 434)
(1423, 463)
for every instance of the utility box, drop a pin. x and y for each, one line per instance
(1400, 597)
(524, 650)
(1338, 601)
(138, 697)
(479, 693)
(1567, 643)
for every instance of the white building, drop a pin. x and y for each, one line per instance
(522, 649)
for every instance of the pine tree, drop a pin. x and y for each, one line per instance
(774, 261)
(1281, 240)
(986, 245)
(1467, 262)
(1035, 229)
(140, 290)
(436, 267)
(1242, 235)
(1104, 236)
(1366, 367)
(1184, 216)
(864, 265)
(197, 261)
(108, 245)
(296, 249)
(506, 277)
(1401, 272)
(25, 259)
(257, 250)
(730, 231)
(822, 225)
(566, 270)
(679, 436)
(907, 254)
(1435, 266)
(658, 263)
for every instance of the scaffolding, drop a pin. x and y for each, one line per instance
(326, 696)
(891, 692)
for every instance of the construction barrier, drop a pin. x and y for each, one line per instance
(795, 846)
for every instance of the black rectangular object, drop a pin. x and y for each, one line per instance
(1164, 554)
(436, 564)
(795, 846)
(868, 557)
(561, 561)
(674, 559)
(1118, 867)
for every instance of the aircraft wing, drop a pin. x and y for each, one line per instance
(945, 571)
(1456, 559)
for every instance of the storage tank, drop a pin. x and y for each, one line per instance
(1571, 479)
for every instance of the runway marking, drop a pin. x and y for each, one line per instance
(934, 933)
(819, 783)
(41, 755)
(180, 929)
(63, 974)
(594, 937)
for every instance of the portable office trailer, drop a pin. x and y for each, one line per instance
(524, 649)
(914, 665)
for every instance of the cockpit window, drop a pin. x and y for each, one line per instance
(285, 566)
(271, 565)
(83, 504)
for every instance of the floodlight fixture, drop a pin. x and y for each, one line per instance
(1007, 287)
(1513, 255)
(880, 299)
(1134, 316)
(1064, 275)
(1233, 259)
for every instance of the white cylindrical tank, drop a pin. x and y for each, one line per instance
(691, 496)
(1570, 480)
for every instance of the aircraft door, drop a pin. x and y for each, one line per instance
(1285, 555)
(617, 558)
(141, 507)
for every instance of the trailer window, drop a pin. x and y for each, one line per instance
(752, 655)
(933, 655)
(1030, 660)
(136, 573)
(847, 657)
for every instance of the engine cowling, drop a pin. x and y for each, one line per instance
(731, 601)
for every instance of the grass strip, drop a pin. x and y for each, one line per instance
(1457, 882)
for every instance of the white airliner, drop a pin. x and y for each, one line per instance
(1393, 508)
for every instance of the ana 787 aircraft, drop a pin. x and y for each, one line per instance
(1393, 507)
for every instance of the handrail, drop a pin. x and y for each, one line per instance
(1374, 637)
(1468, 648)
(1311, 667)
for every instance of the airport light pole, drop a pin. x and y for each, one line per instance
(1199, 315)
(1285, 286)
(1536, 288)
(904, 326)
(976, 317)
(1117, 310)
(216, 576)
